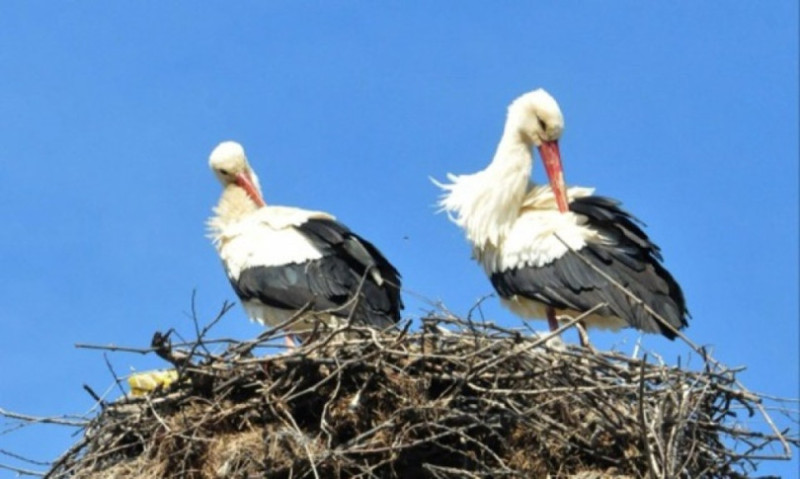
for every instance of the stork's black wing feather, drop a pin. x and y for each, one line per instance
(331, 282)
(630, 258)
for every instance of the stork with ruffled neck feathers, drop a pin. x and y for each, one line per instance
(550, 250)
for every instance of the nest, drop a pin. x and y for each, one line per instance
(453, 400)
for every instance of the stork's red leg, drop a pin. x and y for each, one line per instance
(551, 319)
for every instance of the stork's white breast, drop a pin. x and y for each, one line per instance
(540, 234)
(267, 237)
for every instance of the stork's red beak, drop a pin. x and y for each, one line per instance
(555, 173)
(246, 183)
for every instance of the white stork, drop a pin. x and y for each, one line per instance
(552, 250)
(281, 259)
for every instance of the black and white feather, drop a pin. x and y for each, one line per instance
(622, 269)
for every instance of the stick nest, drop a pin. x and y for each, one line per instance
(452, 400)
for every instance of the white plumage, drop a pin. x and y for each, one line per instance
(242, 244)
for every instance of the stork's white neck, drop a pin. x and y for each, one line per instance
(486, 204)
(513, 153)
(234, 204)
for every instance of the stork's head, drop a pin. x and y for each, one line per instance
(229, 164)
(537, 119)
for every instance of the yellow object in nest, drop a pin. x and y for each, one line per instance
(145, 383)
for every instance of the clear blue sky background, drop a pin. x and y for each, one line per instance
(685, 111)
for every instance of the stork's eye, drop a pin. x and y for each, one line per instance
(223, 172)
(542, 125)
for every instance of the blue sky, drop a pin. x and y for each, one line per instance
(685, 111)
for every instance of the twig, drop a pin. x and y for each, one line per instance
(22, 472)
(61, 421)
